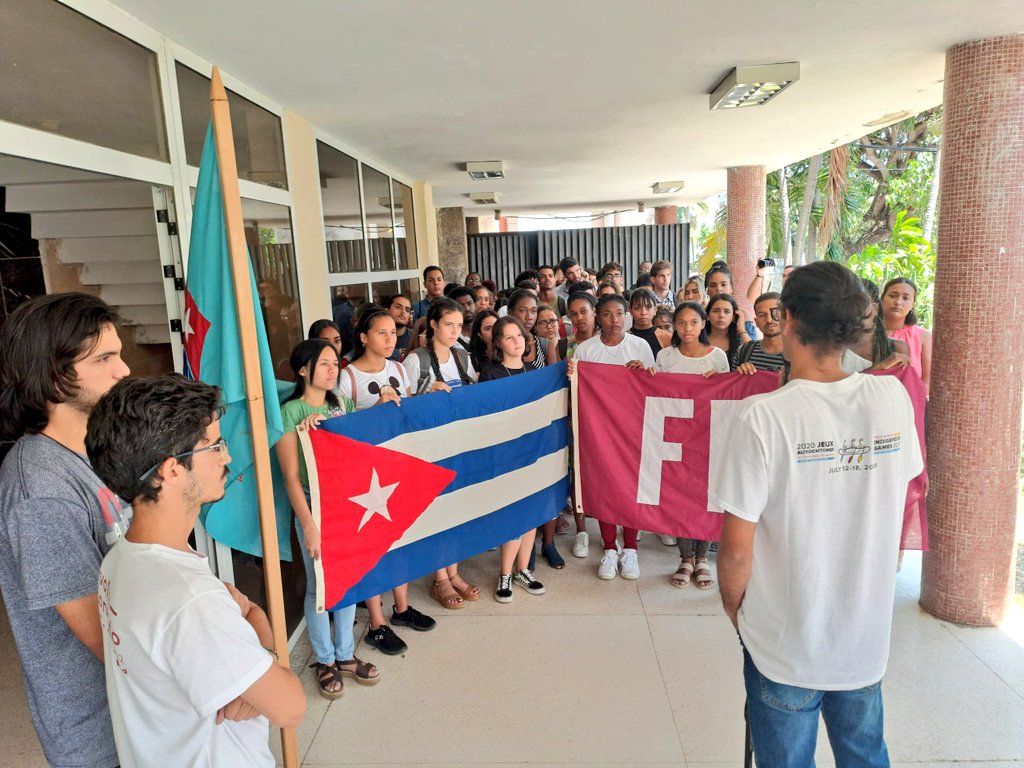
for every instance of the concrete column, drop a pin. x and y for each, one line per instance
(307, 218)
(666, 214)
(472, 225)
(745, 242)
(452, 251)
(426, 224)
(976, 377)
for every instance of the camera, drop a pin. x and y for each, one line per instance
(762, 263)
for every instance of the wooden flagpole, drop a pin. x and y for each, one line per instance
(224, 140)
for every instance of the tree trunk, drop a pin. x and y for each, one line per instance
(787, 241)
(933, 200)
(803, 223)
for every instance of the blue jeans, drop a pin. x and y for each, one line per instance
(784, 723)
(327, 648)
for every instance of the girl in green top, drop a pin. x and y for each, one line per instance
(315, 363)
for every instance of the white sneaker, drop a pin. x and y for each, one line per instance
(581, 547)
(668, 541)
(629, 564)
(609, 567)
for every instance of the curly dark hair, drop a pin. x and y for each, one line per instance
(829, 304)
(39, 345)
(142, 422)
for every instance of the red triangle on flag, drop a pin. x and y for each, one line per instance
(194, 328)
(369, 496)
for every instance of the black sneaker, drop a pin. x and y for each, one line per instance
(525, 580)
(413, 619)
(503, 593)
(385, 640)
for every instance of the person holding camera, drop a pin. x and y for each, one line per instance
(762, 278)
(810, 541)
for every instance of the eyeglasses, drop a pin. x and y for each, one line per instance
(221, 446)
(775, 313)
(547, 322)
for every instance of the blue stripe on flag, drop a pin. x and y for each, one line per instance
(487, 463)
(425, 556)
(382, 423)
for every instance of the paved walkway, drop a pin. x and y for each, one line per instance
(636, 673)
(616, 673)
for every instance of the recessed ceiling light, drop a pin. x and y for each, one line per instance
(484, 198)
(491, 169)
(753, 86)
(665, 187)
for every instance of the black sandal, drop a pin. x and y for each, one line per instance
(326, 674)
(363, 672)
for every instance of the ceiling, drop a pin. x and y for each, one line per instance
(588, 102)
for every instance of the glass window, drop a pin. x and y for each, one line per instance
(380, 234)
(259, 147)
(405, 225)
(268, 233)
(62, 72)
(411, 288)
(343, 215)
(381, 291)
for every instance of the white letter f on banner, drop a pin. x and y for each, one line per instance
(653, 448)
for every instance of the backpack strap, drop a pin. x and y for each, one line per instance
(402, 374)
(425, 373)
(352, 381)
(743, 356)
(463, 356)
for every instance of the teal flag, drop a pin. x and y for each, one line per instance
(213, 354)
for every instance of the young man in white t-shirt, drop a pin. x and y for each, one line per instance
(809, 548)
(615, 347)
(190, 675)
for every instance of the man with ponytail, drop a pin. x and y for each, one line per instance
(809, 546)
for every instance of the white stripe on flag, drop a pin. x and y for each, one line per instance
(481, 431)
(461, 506)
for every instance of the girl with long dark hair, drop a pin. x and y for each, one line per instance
(724, 329)
(315, 365)
(480, 337)
(899, 297)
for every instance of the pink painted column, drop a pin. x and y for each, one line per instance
(977, 380)
(744, 239)
(666, 214)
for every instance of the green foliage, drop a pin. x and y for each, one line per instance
(907, 254)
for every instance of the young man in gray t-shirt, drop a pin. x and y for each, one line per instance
(58, 355)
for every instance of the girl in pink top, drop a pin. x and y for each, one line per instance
(898, 299)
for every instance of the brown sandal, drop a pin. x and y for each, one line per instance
(450, 600)
(681, 578)
(363, 672)
(326, 674)
(702, 576)
(469, 593)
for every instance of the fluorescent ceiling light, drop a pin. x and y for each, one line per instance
(753, 86)
(491, 169)
(664, 187)
(484, 198)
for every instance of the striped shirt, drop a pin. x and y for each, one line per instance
(763, 361)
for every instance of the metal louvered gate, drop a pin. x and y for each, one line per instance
(501, 257)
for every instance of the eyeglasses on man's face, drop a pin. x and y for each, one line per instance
(221, 446)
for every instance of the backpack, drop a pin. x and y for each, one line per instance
(423, 355)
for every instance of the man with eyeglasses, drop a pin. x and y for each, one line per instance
(58, 355)
(190, 674)
(764, 354)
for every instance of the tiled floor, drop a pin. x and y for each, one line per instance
(619, 673)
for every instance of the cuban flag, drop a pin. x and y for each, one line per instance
(401, 491)
(213, 354)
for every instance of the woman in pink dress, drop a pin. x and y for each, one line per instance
(898, 299)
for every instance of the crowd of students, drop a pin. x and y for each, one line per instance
(474, 333)
(156, 444)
